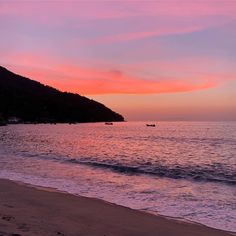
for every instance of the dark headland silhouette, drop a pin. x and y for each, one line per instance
(27, 100)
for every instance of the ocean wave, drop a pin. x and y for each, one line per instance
(216, 172)
(208, 174)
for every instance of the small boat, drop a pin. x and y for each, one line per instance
(108, 123)
(150, 125)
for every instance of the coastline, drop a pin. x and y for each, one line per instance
(31, 210)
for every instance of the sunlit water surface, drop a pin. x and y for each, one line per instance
(179, 169)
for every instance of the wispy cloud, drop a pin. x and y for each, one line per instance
(86, 80)
(124, 36)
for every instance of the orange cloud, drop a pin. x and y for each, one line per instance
(131, 79)
(92, 81)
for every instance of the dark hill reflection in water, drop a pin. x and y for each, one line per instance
(182, 169)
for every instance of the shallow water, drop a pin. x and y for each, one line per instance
(179, 169)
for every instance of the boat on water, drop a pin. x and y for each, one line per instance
(108, 123)
(150, 125)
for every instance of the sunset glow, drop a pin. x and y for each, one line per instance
(176, 59)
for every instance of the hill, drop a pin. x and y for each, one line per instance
(31, 101)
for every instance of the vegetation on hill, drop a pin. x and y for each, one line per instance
(31, 101)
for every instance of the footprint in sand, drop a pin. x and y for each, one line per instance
(9, 206)
(23, 227)
(7, 218)
(59, 233)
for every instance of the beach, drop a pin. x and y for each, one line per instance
(27, 211)
(118, 118)
(166, 171)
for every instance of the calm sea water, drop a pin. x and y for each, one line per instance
(179, 169)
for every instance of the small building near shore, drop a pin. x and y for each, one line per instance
(13, 120)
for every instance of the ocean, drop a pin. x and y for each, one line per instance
(185, 170)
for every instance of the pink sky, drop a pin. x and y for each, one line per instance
(117, 52)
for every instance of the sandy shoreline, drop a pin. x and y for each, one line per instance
(29, 211)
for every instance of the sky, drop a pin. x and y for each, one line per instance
(148, 60)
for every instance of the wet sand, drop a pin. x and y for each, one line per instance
(29, 211)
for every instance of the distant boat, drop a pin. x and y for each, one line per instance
(151, 125)
(108, 123)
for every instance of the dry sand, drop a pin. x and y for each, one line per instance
(28, 211)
